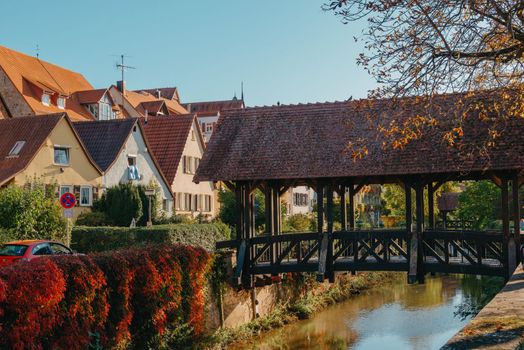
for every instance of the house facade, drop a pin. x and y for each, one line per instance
(122, 152)
(47, 149)
(208, 113)
(178, 145)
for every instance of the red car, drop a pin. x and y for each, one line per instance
(13, 252)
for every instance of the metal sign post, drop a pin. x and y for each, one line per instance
(149, 193)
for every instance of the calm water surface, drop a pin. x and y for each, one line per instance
(397, 316)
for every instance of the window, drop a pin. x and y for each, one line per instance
(197, 163)
(131, 160)
(59, 249)
(86, 196)
(106, 109)
(193, 135)
(203, 126)
(46, 99)
(15, 151)
(207, 203)
(209, 127)
(65, 189)
(165, 205)
(12, 250)
(61, 102)
(61, 155)
(178, 201)
(42, 249)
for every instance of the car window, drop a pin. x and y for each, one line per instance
(57, 248)
(12, 250)
(42, 249)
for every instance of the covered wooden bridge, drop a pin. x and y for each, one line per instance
(341, 147)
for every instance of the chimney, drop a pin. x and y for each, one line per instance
(121, 86)
(158, 94)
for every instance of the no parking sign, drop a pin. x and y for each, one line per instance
(67, 200)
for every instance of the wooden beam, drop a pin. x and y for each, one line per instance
(510, 255)
(230, 185)
(413, 241)
(351, 209)
(322, 257)
(431, 206)
(320, 207)
(516, 215)
(343, 208)
(419, 197)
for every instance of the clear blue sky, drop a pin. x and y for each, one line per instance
(284, 50)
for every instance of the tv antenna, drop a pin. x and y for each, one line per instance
(123, 67)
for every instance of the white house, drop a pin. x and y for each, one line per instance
(120, 149)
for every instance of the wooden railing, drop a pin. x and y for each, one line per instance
(442, 251)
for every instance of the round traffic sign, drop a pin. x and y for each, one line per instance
(67, 200)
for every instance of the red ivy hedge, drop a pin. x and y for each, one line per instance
(124, 297)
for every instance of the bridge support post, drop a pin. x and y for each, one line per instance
(431, 205)
(330, 273)
(413, 242)
(509, 241)
(516, 215)
(343, 208)
(419, 190)
(351, 209)
(322, 254)
(249, 222)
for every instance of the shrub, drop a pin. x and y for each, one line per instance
(123, 204)
(299, 223)
(94, 218)
(30, 213)
(129, 298)
(99, 239)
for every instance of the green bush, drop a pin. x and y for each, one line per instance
(94, 218)
(123, 204)
(299, 223)
(99, 239)
(30, 213)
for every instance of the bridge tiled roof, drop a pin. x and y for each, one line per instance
(311, 141)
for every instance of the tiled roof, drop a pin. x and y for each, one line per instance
(33, 130)
(167, 138)
(104, 139)
(90, 96)
(311, 141)
(152, 107)
(25, 71)
(213, 107)
(137, 98)
(170, 93)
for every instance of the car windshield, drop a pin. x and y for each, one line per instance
(12, 250)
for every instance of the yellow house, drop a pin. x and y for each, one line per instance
(48, 148)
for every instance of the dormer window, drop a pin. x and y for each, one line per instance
(15, 151)
(46, 99)
(61, 102)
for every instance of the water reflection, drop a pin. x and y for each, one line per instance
(396, 317)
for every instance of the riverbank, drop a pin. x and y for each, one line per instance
(310, 298)
(500, 324)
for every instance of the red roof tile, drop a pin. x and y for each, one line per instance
(311, 141)
(213, 107)
(33, 131)
(167, 138)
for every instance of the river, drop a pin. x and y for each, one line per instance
(396, 316)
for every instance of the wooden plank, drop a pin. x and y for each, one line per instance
(516, 215)
(241, 256)
(431, 206)
(227, 244)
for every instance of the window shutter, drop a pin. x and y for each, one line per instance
(95, 193)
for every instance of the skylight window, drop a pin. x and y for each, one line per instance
(15, 151)
(46, 99)
(61, 102)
